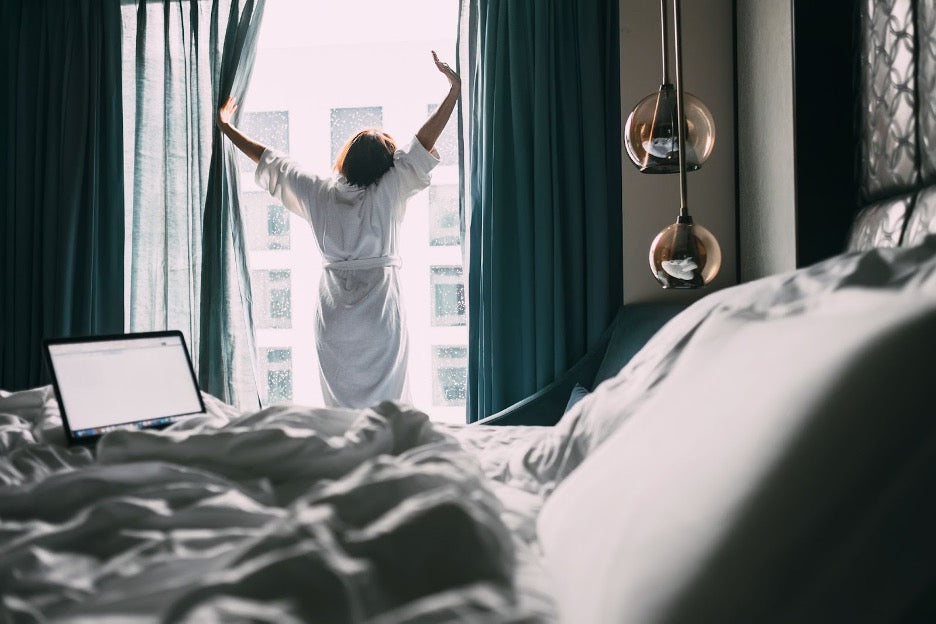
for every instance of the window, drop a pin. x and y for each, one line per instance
(279, 303)
(277, 227)
(377, 74)
(347, 121)
(277, 366)
(279, 355)
(270, 128)
(272, 292)
(266, 221)
(450, 375)
(443, 215)
(447, 145)
(448, 295)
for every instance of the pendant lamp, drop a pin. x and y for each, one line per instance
(684, 254)
(650, 132)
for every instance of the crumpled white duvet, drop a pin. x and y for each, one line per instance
(284, 515)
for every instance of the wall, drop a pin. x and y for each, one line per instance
(824, 137)
(766, 178)
(651, 202)
(796, 174)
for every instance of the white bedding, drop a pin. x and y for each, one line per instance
(287, 514)
(770, 456)
(292, 514)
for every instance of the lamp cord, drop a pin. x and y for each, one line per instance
(680, 113)
(664, 24)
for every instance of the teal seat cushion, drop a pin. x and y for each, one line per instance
(633, 325)
(633, 328)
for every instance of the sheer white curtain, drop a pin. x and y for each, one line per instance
(185, 259)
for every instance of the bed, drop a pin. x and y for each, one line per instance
(768, 455)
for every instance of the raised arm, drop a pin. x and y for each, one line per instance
(430, 131)
(241, 141)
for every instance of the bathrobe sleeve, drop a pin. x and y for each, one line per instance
(412, 166)
(299, 191)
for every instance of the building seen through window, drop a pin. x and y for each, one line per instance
(267, 221)
(450, 381)
(270, 128)
(280, 300)
(346, 122)
(272, 293)
(277, 227)
(315, 83)
(447, 145)
(443, 215)
(277, 373)
(448, 295)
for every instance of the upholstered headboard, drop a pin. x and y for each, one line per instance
(896, 123)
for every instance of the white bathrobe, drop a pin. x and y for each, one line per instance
(360, 331)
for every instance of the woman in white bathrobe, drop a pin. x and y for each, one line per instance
(355, 215)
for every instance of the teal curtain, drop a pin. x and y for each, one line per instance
(226, 364)
(544, 189)
(187, 258)
(61, 208)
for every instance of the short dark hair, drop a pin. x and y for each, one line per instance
(366, 157)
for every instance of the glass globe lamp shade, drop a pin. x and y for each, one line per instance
(684, 255)
(650, 132)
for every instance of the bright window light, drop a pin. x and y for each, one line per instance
(324, 70)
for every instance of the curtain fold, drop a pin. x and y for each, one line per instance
(544, 186)
(187, 258)
(226, 364)
(61, 212)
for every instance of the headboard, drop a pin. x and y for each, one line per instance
(896, 123)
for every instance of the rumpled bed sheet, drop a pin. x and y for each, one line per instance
(288, 514)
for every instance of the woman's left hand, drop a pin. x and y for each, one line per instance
(453, 78)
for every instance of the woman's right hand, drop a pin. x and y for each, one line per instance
(453, 78)
(226, 112)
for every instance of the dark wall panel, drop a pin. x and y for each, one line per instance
(824, 76)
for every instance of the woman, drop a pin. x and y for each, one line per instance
(355, 216)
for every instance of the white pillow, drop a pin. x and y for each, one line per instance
(907, 270)
(761, 482)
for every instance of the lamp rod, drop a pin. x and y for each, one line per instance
(664, 38)
(680, 113)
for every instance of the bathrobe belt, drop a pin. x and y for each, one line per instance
(365, 263)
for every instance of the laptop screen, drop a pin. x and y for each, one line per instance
(129, 381)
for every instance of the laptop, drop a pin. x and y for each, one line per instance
(126, 381)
